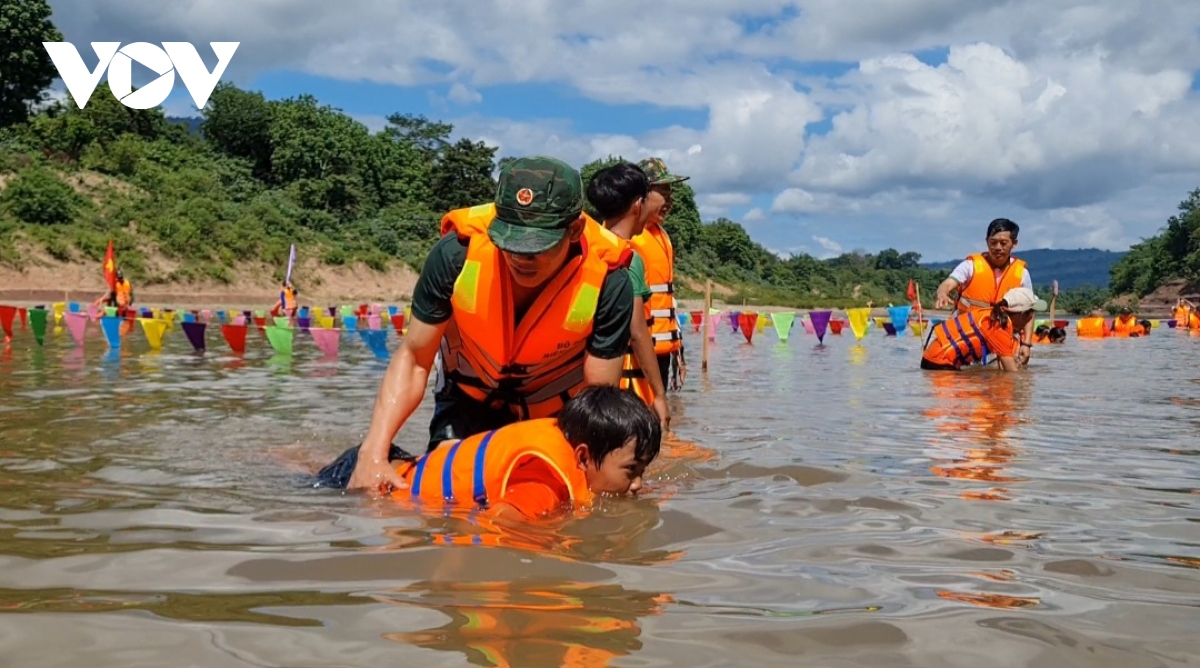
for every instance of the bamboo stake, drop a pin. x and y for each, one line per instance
(707, 315)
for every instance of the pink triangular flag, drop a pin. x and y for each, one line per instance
(326, 339)
(77, 325)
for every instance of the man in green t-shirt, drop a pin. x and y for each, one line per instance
(618, 194)
(537, 228)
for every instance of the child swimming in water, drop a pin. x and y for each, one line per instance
(600, 444)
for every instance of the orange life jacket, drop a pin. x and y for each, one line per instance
(1193, 320)
(476, 470)
(124, 293)
(288, 299)
(656, 250)
(1125, 325)
(633, 378)
(958, 341)
(1181, 316)
(535, 366)
(985, 289)
(1094, 327)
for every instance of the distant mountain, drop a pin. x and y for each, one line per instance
(193, 124)
(1071, 268)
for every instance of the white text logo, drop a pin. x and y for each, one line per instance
(178, 57)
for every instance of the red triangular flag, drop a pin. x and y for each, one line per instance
(912, 290)
(110, 268)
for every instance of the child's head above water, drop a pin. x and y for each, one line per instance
(615, 437)
(1057, 334)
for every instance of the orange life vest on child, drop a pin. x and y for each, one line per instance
(656, 250)
(535, 366)
(1181, 316)
(1094, 328)
(477, 470)
(984, 290)
(1193, 320)
(1125, 325)
(958, 341)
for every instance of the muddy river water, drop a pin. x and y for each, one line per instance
(836, 507)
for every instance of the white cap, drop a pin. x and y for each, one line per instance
(1023, 299)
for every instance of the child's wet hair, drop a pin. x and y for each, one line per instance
(1042, 331)
(1057, 334)
(605, 418)
(999, 315)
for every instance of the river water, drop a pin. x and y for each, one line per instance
(837, 507)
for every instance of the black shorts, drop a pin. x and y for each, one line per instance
(664, 369)
(457, 416)
(933, 366)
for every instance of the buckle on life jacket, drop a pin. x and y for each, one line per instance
(668, 288)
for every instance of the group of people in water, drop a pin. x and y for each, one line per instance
(553, 339)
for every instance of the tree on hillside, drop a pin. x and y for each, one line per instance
(26, 70)
(238, 123)
(1174, 253)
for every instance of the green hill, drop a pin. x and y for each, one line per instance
(1071, 268)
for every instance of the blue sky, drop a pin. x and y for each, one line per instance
(822, 126)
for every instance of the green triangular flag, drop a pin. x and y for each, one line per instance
(37, 321)
(280, 339)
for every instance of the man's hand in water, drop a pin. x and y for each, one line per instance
(375, 473)
(663, 413)
(1022, 355)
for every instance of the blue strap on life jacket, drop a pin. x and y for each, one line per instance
(479, 494)
(448, 473)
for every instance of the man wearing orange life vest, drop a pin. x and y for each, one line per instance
(1127, 324)
(654, 246)
(121, 296)
(618, 193)
(1186, 316)
(970, 337)
(600, 444)
(983, 278)
(287, 301)
(523, 302)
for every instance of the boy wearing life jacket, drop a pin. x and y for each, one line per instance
(600, 444)
(983, 278)
(523, 302)
(971, 336)
(654, 245)
(618, 193)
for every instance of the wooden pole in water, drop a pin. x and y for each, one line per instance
(707, 315)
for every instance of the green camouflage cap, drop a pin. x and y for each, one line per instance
(537, 198)
(658, 174)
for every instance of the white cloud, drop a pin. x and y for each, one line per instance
(1075, 118)
(460, 94)
(828, 244)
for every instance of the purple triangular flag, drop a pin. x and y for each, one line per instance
(195, 334)
(820, 320)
